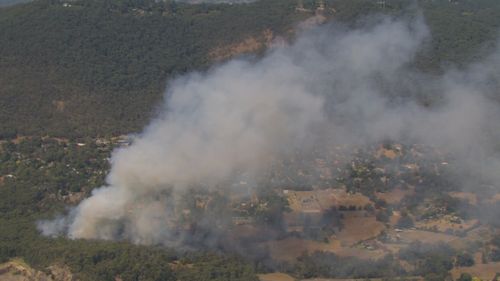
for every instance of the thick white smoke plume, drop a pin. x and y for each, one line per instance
(332, 86)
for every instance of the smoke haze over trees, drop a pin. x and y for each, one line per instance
(335, 85)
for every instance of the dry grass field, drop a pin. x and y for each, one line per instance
(483, 271)
(290, 249)
(411, 235)
(359, 228)
(319, 200)
(444, 223)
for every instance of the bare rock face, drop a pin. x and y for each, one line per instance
(18, 270)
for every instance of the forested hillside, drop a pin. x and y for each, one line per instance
(99, 67)
(91, 67)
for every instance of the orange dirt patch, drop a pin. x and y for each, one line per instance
(177, 265)
(59, 105)
(275, 277)
(248, 45)
(395, 196)
(483, 271)
(388, 153)
(19, 139)
(393, 220)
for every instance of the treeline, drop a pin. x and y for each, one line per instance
(433, 262)
(330, 265)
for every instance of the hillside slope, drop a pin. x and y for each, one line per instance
(94, 68)
(99, 67)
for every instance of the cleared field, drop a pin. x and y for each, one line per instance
(411, 235)
(483, 271)
(290, 248)
(359, 228)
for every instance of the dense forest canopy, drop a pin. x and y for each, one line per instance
(100, 67)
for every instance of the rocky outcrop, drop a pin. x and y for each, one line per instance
(17, 270)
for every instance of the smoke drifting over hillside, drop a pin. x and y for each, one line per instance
(332, 86)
